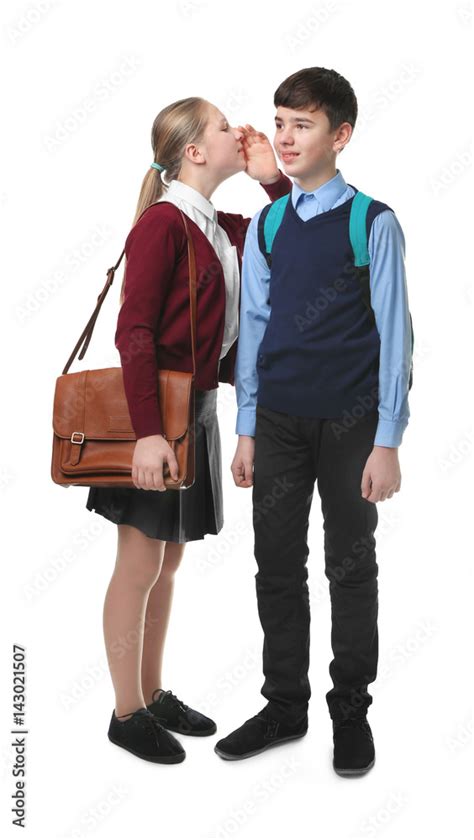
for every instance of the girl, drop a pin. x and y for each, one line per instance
(197, 149)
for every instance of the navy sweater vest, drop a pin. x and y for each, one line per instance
(319, 356)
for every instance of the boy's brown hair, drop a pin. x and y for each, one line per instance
(318, 87)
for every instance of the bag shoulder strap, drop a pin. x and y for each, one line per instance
(89, 328)
(358, 228)
(268, 223)
(358, 237)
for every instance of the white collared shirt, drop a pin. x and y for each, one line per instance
(204, 214)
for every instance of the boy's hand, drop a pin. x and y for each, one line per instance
(259, 155)
(381, 477)
(242, 465)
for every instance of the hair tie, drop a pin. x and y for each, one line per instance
(158, 166)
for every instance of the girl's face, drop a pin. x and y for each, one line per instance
(221, 147)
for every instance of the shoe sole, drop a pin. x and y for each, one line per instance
(360, 771)
(230, 757)
(156, 759)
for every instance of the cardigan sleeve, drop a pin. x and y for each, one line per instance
(278, 189)
(152, 249)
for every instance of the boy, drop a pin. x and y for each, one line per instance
(322, 390)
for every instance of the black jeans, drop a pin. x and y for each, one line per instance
(290, 453)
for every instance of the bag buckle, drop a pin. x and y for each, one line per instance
(77, 441)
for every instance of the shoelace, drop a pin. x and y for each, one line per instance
(173, 697)
(150, 724)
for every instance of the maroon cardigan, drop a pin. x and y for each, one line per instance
(153, 326)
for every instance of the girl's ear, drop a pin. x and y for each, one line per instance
(193, 153)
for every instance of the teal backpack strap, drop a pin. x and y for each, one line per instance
(358, 229)
(268, 223)
(273, 220)
(358, 237)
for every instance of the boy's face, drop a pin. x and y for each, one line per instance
(303, 141)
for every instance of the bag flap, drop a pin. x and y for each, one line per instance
(93, 402)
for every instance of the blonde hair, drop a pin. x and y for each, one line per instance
(180, 123)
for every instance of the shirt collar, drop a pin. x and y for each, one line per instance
(193, 197)
(326, 195)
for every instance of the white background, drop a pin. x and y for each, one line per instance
(70, 179)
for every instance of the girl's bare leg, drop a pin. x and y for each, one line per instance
(157, 619)
(138, 565)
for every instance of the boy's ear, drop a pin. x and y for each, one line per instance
(343, 136)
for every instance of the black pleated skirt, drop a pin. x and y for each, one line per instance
(175, 515)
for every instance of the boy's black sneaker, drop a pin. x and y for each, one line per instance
(354, 751)
(177, 716)
(142, 735)
(257, 734)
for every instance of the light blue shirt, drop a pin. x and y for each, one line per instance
(389, 299)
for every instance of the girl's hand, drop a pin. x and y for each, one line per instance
(149, 457)
(259, 155)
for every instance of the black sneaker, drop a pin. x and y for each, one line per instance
(142, 735)
(257, 734)
(354, 751)
(175, 715)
